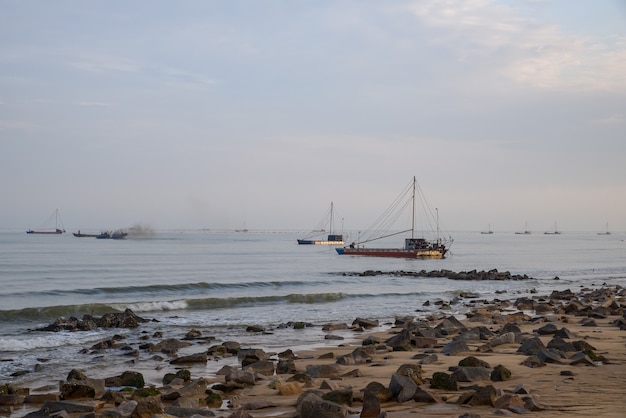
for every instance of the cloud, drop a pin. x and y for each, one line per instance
(534, 55)
(613, 120)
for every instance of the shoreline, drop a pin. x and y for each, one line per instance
(567, 384)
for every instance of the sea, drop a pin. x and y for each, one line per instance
(222, 282)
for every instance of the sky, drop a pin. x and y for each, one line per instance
(220, 114)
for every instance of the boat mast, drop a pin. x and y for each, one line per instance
(331, 218)
(437, 211)
(413, 214)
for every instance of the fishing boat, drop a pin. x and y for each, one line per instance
(119, 234)
(81, 235)
(331, 239)
(607, 232)
(555, 232)
(414, 247)
(57, 229)
(526, 231)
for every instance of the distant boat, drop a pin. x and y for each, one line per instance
(242, 230)
(555, 232)
(119, 234)
(57, 229)
(331, 239)
(80, 235)
(413, 247)
(607, 232)
(488, 231)
(526, 230)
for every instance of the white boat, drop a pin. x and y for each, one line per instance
(331, 239)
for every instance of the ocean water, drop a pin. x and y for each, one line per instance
(222, 282)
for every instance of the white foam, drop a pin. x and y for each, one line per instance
(152, 306)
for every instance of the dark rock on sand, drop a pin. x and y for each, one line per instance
(371, 405)
(128, 378)
(470, 374)
(402, 387)
(500, 374)
(311, 405)
(442, 380)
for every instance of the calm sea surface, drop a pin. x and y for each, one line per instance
(219, 283)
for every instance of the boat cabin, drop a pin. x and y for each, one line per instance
(417, 244)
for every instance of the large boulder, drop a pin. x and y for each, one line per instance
(402, 387)
(311, 405)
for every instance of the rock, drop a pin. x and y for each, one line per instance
(580, 358)
(183, 374)
(521, 389)
(549, 355)
(77, 390)
(11, 399)
(250, 355)
(506, 338)
(193, 334)
(147, 408)
(286, 366)
(322, 370)
(126, 408)
(264, 367)
(401, 341)
(190, 359)
(531, 346)
(470, 374)
(472, 361)
(241, 376)
(483, 396)
(414, 371)
(500, 374)
(71, 407)
(565, 334)
(371, 405)
(311, 405)
(450, 326)
(169, 346)
(454, 348)
(423, 342)
(428, 359)
(334, 326)
(424, 396)
(365, 323)
(402, 387)
(442, 380)
(128, 378)
(531, 404)
(533, 362)
(547, 329)
(360, 355)
(560, 344)
(339, 396)
(195, 389)
(380, 391)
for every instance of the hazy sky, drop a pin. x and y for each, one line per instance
(209, 114)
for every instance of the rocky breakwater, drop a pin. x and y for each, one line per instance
(570, 359)
(493, 274)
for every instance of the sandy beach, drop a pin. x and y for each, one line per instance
(584, 382)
